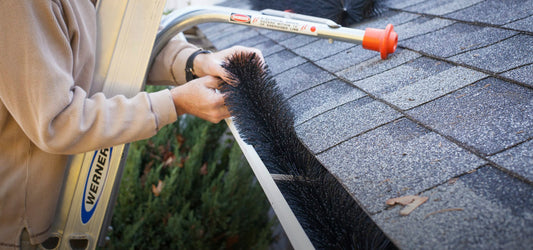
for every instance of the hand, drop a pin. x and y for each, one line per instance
(200, 98)
(211, 64)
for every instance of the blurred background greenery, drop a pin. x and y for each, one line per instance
(189, 187)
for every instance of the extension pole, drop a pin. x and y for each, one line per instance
(383, 41)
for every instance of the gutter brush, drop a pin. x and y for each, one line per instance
(330, 217)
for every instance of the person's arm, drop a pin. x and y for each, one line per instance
(37, 86)
(169, 65)
(197, 97)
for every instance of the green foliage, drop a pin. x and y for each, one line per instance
(189, 187)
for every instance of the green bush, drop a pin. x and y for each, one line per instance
(189, 187)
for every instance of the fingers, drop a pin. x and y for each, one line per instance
(241, 49)
(217, 108)
(214, 115)
(214, 110)
(211, 64)
(220, 115)
(199, 98)
(210, 82)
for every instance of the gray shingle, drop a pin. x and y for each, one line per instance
(214, 30)
(298, 79)
(234, 38)
(441, 7)
(253, 41)
(380, 22)
(456, 38)
(282, 61)
(525, 24)
(346, 59)
(376, 65)
(269, 47)
(518, 159)
(344, 122)
(322, 98)
(393, 160)
(395, 4)
(236, 4)
(495, 12)
(298, 41)
(401, 76)
(218, 31)
(489, 116)
(484, 210)
(523, 74)
(419, 26)
(432, 87)
(504, 189)
(502, 56)
(322, 48)
(207, 27)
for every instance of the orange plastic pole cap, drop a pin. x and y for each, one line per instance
(384, 41)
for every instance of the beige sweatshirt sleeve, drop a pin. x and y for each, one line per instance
(43, 83)
(169, 65)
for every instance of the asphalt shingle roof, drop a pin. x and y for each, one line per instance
(449, 116)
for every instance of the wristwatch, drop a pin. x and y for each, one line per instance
(189, 66)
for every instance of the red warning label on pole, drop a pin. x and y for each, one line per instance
(241, 18)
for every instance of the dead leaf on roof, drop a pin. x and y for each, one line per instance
(452, 181)
(404, 200)
(471, 171)
(411, 202)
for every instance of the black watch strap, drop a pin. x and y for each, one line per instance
(189, 66)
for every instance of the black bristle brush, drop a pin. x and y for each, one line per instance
(329, 215)
(343, 12)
